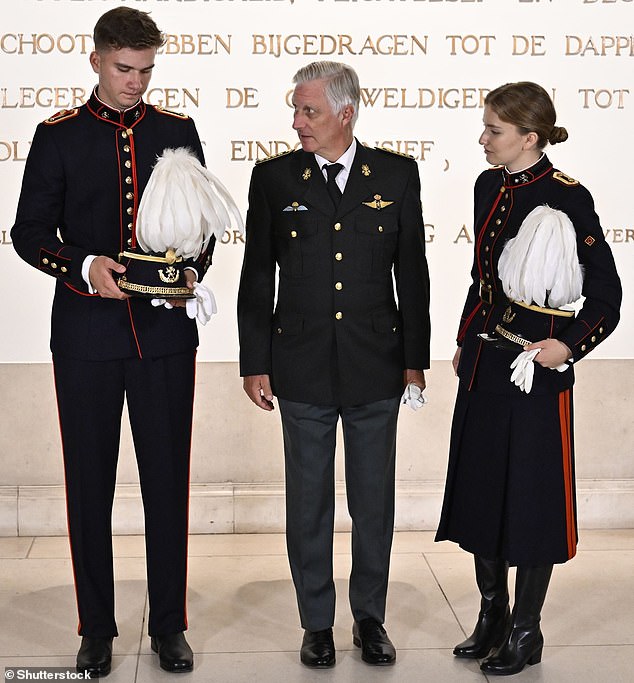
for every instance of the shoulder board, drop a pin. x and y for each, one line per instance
(564, 179)
(63, 115)
(393, 151)
(169, 112)
(274, 156)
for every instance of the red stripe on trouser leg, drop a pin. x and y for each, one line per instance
(566, 449)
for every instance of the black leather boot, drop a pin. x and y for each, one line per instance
(524, 641)
(491, 577)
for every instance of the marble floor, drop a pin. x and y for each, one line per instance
(244, 626)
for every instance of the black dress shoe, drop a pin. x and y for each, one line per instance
(174, 653)
(318, 649)
(95, 656)
(376, 647)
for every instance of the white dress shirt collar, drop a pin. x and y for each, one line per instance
(345, 160)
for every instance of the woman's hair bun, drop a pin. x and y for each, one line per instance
(558, 134)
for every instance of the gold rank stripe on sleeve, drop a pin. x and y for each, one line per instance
(60, 116)
(169, 112)
(277, 156)
(565, 179)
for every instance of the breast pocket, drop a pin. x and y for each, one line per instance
(376, 237)
(296, 244)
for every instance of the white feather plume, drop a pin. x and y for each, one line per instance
(540, 265)
(183, 205)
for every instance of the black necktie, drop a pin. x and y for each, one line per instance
(333, 189)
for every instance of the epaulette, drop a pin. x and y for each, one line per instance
(274, 156)
(393, 151)
(565, 179)
(169, 112)
(60, 116)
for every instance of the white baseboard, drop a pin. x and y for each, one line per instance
(259, 508)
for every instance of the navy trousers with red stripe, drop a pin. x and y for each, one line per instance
(159, 396)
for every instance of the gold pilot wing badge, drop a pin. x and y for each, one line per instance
(377, 203)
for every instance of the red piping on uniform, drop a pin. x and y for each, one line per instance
(498, 233)
(530, 182)
(463, 330)
(475, 365)
(566, 448)
(189, 465)
(77, 291)
(486, 222)
(136, 339)
(552, 326)
(590, 329)
(70, 537)
(60, 250)
(135, 186)
(116, 146)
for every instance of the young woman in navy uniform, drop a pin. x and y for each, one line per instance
(510, 491)
(84, 177)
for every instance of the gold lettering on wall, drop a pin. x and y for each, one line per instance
(277, 44)
(603, 98)
(196, 44)
(46, 97)
(599, 46)
(173, 98)
(14, 150)
(45, 43)
(470, 44)
(242, 97)
(418, 98)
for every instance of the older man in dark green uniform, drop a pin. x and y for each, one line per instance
(338, 221)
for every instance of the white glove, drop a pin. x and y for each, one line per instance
(161, 302)
(523, 370)
(413, 396)
(203, 305)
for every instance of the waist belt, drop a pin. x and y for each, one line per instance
(488, 296)
(546, 311)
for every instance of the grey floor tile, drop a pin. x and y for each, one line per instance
(606, 539)
(50, 547)
(581, 665)
(38, 614)
(201, 545)
(244, 624)
(413, 666)
(59, 547)
(15, 547)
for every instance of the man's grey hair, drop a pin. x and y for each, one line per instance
(342, 84)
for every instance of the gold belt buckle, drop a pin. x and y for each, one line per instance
(486, 295)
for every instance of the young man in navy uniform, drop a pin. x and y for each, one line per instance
(338, 220)
(83, 180)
